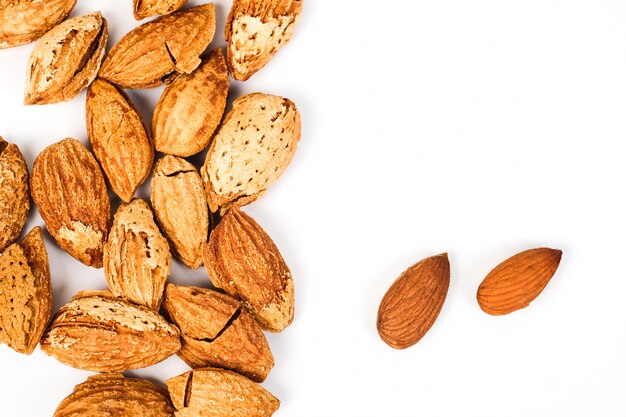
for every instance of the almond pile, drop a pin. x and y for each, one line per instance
(194, 215)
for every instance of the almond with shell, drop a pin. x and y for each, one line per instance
(14, 194)
(147, 8)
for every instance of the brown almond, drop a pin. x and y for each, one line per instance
(66, 60)
(118, 138)
(137, 258)
(103, 334)
(147, 8)
(413, 302)
(191, 108)
(14, 194)
(68, 187)
(161, 48)
(243, 260)
(253, 147)
(516, 282)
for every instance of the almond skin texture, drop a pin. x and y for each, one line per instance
(253, 147)
(160, 49)
(212, 392)
(256, 30)
(69, 189)
(243, 260)
(25, 293)
(118, 138)
(216, 332)
(147, 8)
(23, 21)
(137, 258)
(14, 194)
(108, 395)
(516, 282)
(413, 302)
(66, 60)
(181, 210)
(97, 333)
(191, 108)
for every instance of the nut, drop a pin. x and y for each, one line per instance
(147, 8)
(14, 195)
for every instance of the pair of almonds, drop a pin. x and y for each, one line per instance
(413, 302)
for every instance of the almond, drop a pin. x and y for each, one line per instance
(25, 293)
(113, 394)
(69, 189)
(252, 149)
(23, 21)
(147, 8)
(181, 210)
(66, 60)
(256, 30)
(516, 282)
(97, 333)
(137, 258)
(118, 138)
(191, 108)
(217, 332)
(413, 302)
(243, 260)
(161, 48)
(212, 392)
(14, 195)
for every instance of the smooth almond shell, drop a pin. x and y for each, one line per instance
(14, 193)
(147, 8)
(516, 282)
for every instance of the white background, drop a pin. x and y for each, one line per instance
(480, 128)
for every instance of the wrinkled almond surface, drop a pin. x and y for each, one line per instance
(147, 8)
(14, 195)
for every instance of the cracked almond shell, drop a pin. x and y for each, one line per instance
(66, 60)
(118, 138)
(14, 194)
(68, 187)
(160, 49)
(147, 8)
(25, 293)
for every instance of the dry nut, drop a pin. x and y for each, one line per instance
(118, 138)
(191, 108)
(217, 332)
(66, 60)
(413, 302)
(256, 30)
(159, 49)
(243, 260)
(253, 147)
(147, 8)
(25, 293)
(516, 282)
(137, 258)
(14, 196)
(69, 189)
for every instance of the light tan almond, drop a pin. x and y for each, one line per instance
(147, 8)
(103, 334)
(253, 147)
(256, 30)
(191, 108)
(137, 258)
(69, 189)
(14, 194)
(159, 49)
(243, 260)
(66, 60)
(23, 21)
(180, 207)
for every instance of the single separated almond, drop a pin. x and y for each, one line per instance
(118, 138)
(23, 21)
(14, 194)
(68, 187)
(147, 8)
(108, 395)
(256, 30)
(253, 147)
(516, 282)
(66, 60)
(96, 332)
(191, 108)
(413, 302)
(161, 48)
(243, 260)
(25, 293)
